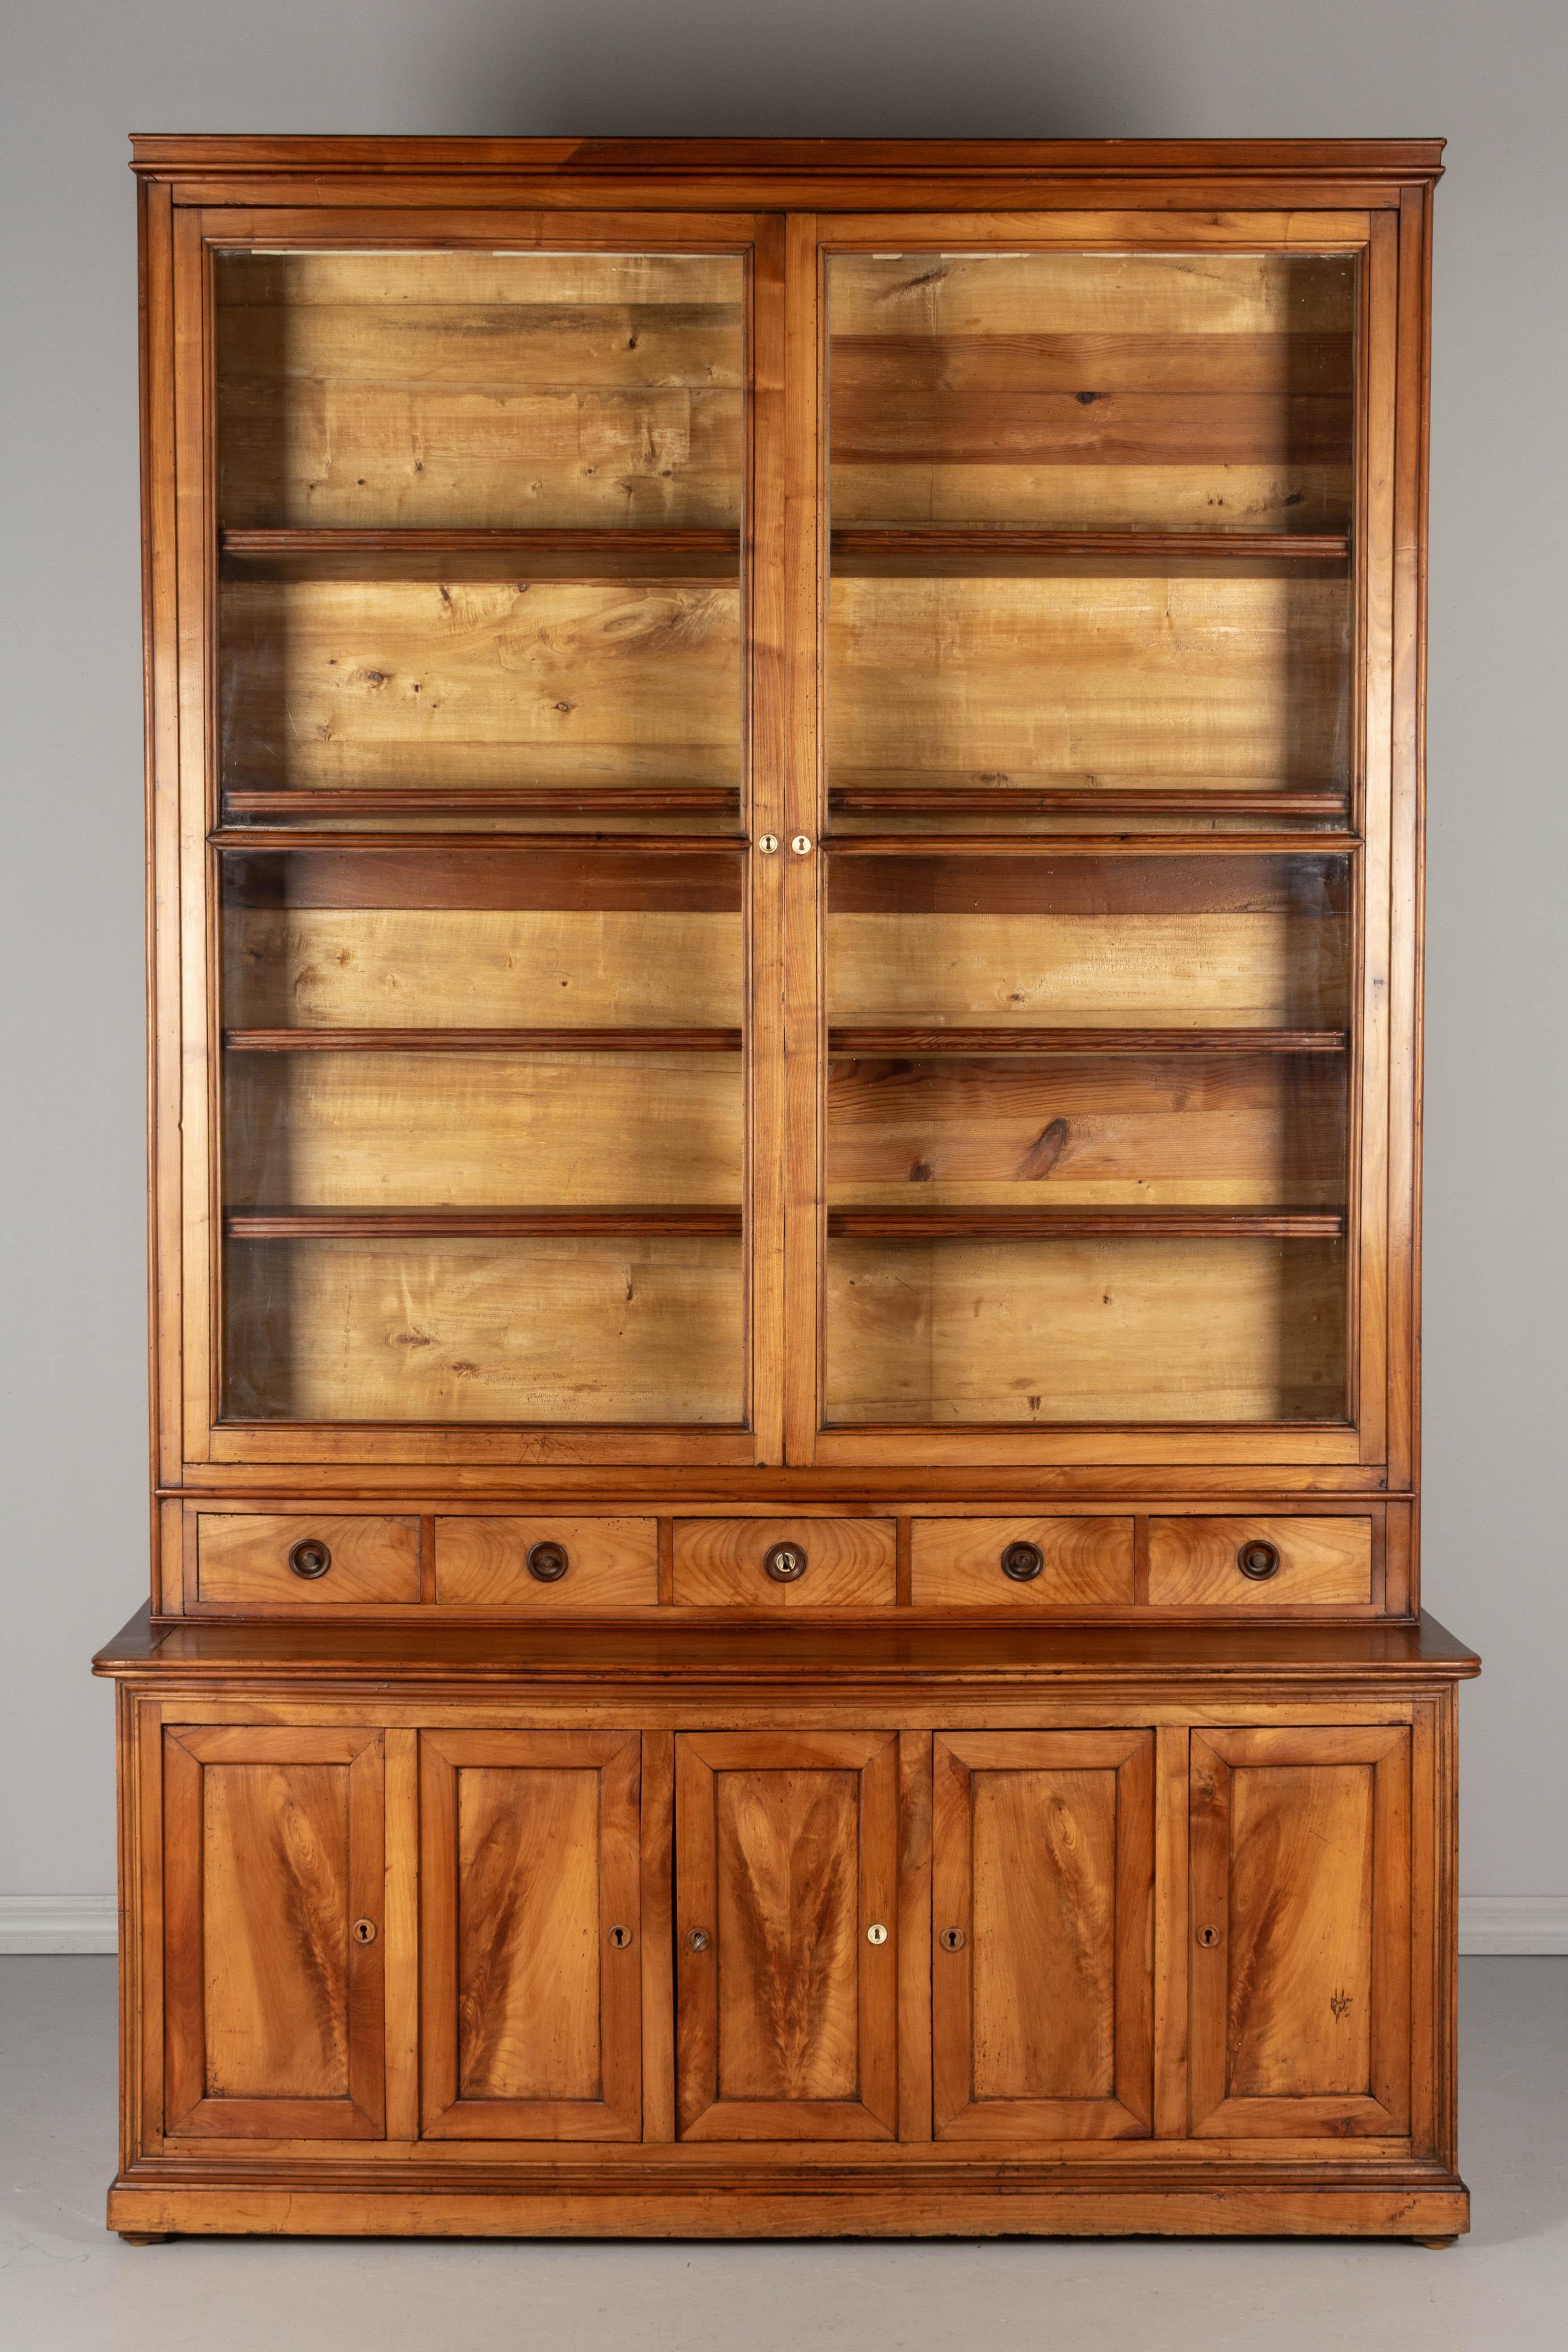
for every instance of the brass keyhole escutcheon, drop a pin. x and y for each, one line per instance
(1022, 1562)
(768, 842)
(1209, 1937)
(785, 1563)
(1259, 1560)
(364, 1931)
(952, 1940)
(697, 1939)
(548, 1562)
(876, 1934)
(310, 1559)
(620, 1938)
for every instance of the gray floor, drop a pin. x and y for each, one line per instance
(66, 2287)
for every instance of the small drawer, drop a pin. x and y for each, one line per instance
(785, 1563)
(1021, 1563)
(547, 1563)
(1285, 1563)
(247, 1560)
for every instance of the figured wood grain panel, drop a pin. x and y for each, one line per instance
(427, 1129)
(467, 1331)
(1300, 1916)
(1044, 1867)
(1325, 1562)
(345, 683)
(786, 1850)
(242, 1560)
(850, 1563)
(465, 388)
(482, 1563)
(273, 2010)
(1034, 1332)
(531, 2006)
(957, 1563)
(1141, 1130)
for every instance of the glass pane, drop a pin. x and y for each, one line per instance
(479, 619)
(1089, 624)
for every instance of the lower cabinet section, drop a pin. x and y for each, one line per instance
(1151, 1954)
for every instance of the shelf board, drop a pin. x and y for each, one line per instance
(1206, 1225)
(1020, 800)
(277, 839)
(411, 1225)
(617, 800)
(1090, 845)
(918, 548)
(646, 556)
(482, 1040)
(1019, 1039)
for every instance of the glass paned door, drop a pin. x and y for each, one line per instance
(482, 877)
(1091, 907)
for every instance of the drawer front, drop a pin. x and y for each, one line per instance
(1321, 1563)
(724, 1563)
(245, 1560)
(516, 1563)
(1083, 1563)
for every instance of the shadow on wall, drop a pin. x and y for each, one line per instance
(897, 69)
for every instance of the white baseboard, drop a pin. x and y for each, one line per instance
(1513, 1923)
(59, 1923)
(1495, 1923)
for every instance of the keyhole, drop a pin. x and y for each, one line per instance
(620, 1938)
(364, 1931)
(952, 1940)
(1209, 1937)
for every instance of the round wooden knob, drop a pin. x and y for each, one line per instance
(310, 1559)
(548, 1562)
(1257, 1560)
(785, 1563)
(1022, 1562)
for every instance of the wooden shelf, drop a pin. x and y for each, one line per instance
(1022, 799)
(497, 1224)
(279, 839)
(921, 548)
(1021, 1224)
(646, 556)
(1090, 845)
(897, 1040)
(482, 1040)
(610, 800)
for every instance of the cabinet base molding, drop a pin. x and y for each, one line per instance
(872, 2208)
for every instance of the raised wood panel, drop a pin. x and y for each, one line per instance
(482, 1563)
(242, 1561)
(366, 967)
(426, 1130)
(274, 2016)
(1324, 1562)
(1299, 1965)
(585, 1330)
(787, 1851)
(466, 388)
(957, 1563)
(1143, 1131)
(1034, 1332)
(850, 1563)
(345, 683)
(1042, 1895)
(1131, 677)
(531, 1889)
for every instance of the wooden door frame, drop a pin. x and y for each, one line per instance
(446, 2113)
(186, 1752)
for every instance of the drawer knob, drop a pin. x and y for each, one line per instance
(1257, 1560)
(548, 1562)
(697, 1939)
(785, 1563)
(1022, 1562)
(310, 1559)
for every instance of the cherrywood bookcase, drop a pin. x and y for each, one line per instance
(784, 788)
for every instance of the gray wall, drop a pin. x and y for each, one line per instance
(1492, 77)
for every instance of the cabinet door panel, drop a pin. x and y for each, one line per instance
(273, 1850)
(531, 2006)
(786, 1854)
(1043, 1872)
(1301, 1910)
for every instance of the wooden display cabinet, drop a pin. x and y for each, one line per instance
(784, 787)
